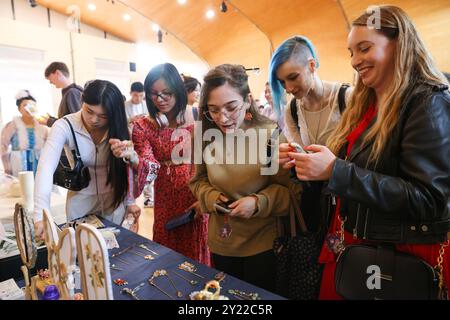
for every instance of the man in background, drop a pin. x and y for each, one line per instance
(136, 106)
(58, 74)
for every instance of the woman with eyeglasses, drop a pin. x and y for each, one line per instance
(152, 159)
(241, 233)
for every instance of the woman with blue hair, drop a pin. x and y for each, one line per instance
(310, 116)
(316, 107)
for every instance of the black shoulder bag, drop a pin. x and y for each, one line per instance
(299, 273)
(74, 179)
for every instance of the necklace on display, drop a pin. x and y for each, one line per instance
(314, 139)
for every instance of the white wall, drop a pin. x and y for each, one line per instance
(79, 51)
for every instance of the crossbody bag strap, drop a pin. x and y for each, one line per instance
(77, 151)
(298, 213)
(341, 97)
(294, 114)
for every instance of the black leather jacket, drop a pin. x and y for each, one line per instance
(405, 197)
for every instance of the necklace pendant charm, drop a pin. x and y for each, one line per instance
(334, 243)
(225, 230)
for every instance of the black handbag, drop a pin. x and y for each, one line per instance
(380, 272)
(298, 274)
(74, 179)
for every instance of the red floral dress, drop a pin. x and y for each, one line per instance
(172, 193)
(427, 252)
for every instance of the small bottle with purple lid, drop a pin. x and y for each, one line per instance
(51, 292)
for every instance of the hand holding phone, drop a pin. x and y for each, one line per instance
(298, 148)
(223, 207)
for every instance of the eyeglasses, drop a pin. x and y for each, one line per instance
(231, 113)
(163, 95)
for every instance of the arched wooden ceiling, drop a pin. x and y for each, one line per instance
(248, 31)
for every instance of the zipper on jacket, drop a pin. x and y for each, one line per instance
(365, 224)
(355, 229)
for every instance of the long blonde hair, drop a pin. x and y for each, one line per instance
(413, 67)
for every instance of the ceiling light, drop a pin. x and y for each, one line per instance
(126, 17)
(182, 2)
(210, 14)
(155, 27)
(92, 6)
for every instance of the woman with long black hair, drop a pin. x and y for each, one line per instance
(155, 141)
(102, 117)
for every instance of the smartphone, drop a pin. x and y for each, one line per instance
(298, 148)
(222, 207)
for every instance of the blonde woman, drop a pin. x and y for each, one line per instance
(388, 159)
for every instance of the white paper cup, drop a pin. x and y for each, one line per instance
(26, 179)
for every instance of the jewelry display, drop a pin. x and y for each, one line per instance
(132, 292)
(117, 254)
(244, 295)
(113, 266)
(163, 272)
(192, 282)
(120, 282)
(145, 256)
(143, 246)
(220, 276)
(206, 294)
(189, 267)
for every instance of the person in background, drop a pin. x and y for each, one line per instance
(23, 138)
(58, 74)
(101, 117)
(136, 106)
(193, 87)
(268, 111)
(152, 159)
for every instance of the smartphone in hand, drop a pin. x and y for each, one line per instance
(298, 148)
(223, 207)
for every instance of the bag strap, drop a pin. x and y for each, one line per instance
(294, 114)
(294, 211)
(195, 113)
(341, 97)
(271, 146)
(77, 151)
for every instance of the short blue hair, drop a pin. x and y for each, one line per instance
(280, 56)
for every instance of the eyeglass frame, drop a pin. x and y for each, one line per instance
(156, 95)
(230, 116)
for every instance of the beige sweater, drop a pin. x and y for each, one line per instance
(249, 236)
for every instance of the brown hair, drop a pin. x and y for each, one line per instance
(413, 67)
(61, 66)
(236, 77)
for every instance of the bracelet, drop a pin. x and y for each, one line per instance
(133, 158)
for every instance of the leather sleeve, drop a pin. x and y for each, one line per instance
(423, 182)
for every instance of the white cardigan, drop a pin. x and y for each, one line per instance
(94, 157)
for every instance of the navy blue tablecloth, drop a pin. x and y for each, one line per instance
(140, 270)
